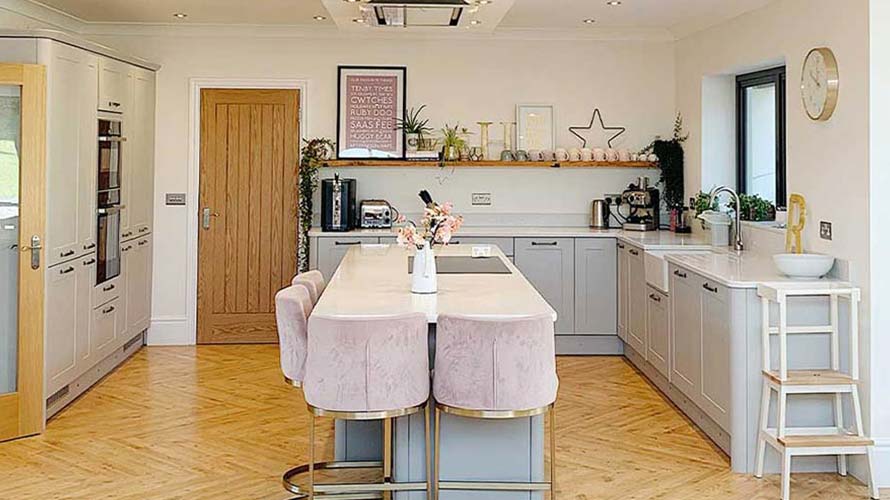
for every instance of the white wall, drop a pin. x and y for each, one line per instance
(460, 80)
(826, 162)
(879, 236)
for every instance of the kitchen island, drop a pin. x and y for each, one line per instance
(374, 279)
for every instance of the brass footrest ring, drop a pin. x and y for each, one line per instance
(289, 485)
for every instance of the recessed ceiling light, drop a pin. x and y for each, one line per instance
(483, 2)
(589, 21)
(352, 1)
(358, 20)
(475, 22)
(319, 18)
(180, 15)
(613, 3)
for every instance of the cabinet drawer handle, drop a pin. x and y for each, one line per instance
(143, 243)
(127, 234)
(143, 229)
(634, 252)
(654, 297)
(127, 248)
(347, 243)
(90, 246)
(544, 243)
(679, 274)
(108, 288)
(621, 246)
(709, 288)
(89, 262)
(114, 104)
(69, 253)
(66, 270)
(107, 310)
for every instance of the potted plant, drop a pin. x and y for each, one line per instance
(313, 156)
(670, 162)
(754, 208)
(415, 129)
(452, 142)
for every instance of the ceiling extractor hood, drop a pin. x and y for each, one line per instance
(416, 13)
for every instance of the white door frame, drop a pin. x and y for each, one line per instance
(195, 87)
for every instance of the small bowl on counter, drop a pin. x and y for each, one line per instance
(804, 265)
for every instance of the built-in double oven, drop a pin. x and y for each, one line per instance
(111, 141)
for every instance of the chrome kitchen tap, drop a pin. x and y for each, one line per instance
(739, 246)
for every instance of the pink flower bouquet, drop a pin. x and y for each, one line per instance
(438, 225)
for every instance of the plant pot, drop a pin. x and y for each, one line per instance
(450, 153)
(423, 276)
(412, 143)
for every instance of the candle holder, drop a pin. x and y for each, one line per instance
(483, 138)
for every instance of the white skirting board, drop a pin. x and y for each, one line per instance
(882, 462)
(169, 331)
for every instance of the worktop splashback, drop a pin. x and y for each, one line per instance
(524, 197)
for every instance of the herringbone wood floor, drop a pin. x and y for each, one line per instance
(219, 422)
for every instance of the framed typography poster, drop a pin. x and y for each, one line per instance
(370, 102)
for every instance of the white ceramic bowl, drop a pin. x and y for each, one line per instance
(807, 265)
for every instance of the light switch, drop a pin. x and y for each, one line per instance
(175, 199)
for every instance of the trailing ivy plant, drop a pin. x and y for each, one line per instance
(313, 156)
(670, 162)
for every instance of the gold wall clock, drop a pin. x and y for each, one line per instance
(819, 83)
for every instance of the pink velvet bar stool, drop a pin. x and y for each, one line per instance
(292, 308)
(313, 281)
(367, 368)
(495, 369)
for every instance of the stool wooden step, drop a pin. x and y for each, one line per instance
(811, 377)
(817, 441)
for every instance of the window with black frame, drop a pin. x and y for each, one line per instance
(760, 102)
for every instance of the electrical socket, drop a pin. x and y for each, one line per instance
(481, 199)
(825, 230)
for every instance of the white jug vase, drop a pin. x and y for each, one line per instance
(423, 277)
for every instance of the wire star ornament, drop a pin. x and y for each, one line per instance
(596, 115)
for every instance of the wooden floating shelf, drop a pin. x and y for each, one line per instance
(489, 163)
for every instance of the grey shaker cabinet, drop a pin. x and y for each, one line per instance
(549, 264)
(331, 251)
(596, 277)
(686, 317)
(658, 345)
(623, 289)
(638, 299)
(716, 332)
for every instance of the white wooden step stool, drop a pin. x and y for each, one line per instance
(799, 441)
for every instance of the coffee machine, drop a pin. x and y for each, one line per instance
(338, 204)
(643, 203)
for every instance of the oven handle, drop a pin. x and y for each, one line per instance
(111, 210)
(112, 138)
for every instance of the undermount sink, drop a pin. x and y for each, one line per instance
(805, 265)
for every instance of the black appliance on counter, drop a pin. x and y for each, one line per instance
(338, 207)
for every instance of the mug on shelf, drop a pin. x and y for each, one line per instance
(599, 154)
(561, 154)
(586, 154)
(574, 154)
(623, 155)
(547, 155)
(535, 155)
(611, 155)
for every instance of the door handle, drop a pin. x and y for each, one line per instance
(679, 274)
(35, 251)
(709, 288)
(544, 244)
(347, 243)
(635, 253)
(205, 218)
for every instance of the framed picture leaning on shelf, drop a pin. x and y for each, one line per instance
(536, 129)
(370, 100)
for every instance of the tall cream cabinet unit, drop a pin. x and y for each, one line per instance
(90, 329)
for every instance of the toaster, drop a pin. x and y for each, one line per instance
(375, 214)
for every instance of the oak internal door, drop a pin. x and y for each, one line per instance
(247, 244)
(22, 213)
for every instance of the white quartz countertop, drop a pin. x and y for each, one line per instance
(745, 270)
(373, 280)
(652, 240)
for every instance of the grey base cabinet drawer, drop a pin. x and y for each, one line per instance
(549, 264)
(106, 327)
(108, 291)
(596, 280)
(331, 251)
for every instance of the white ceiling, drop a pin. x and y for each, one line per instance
(679, 16)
